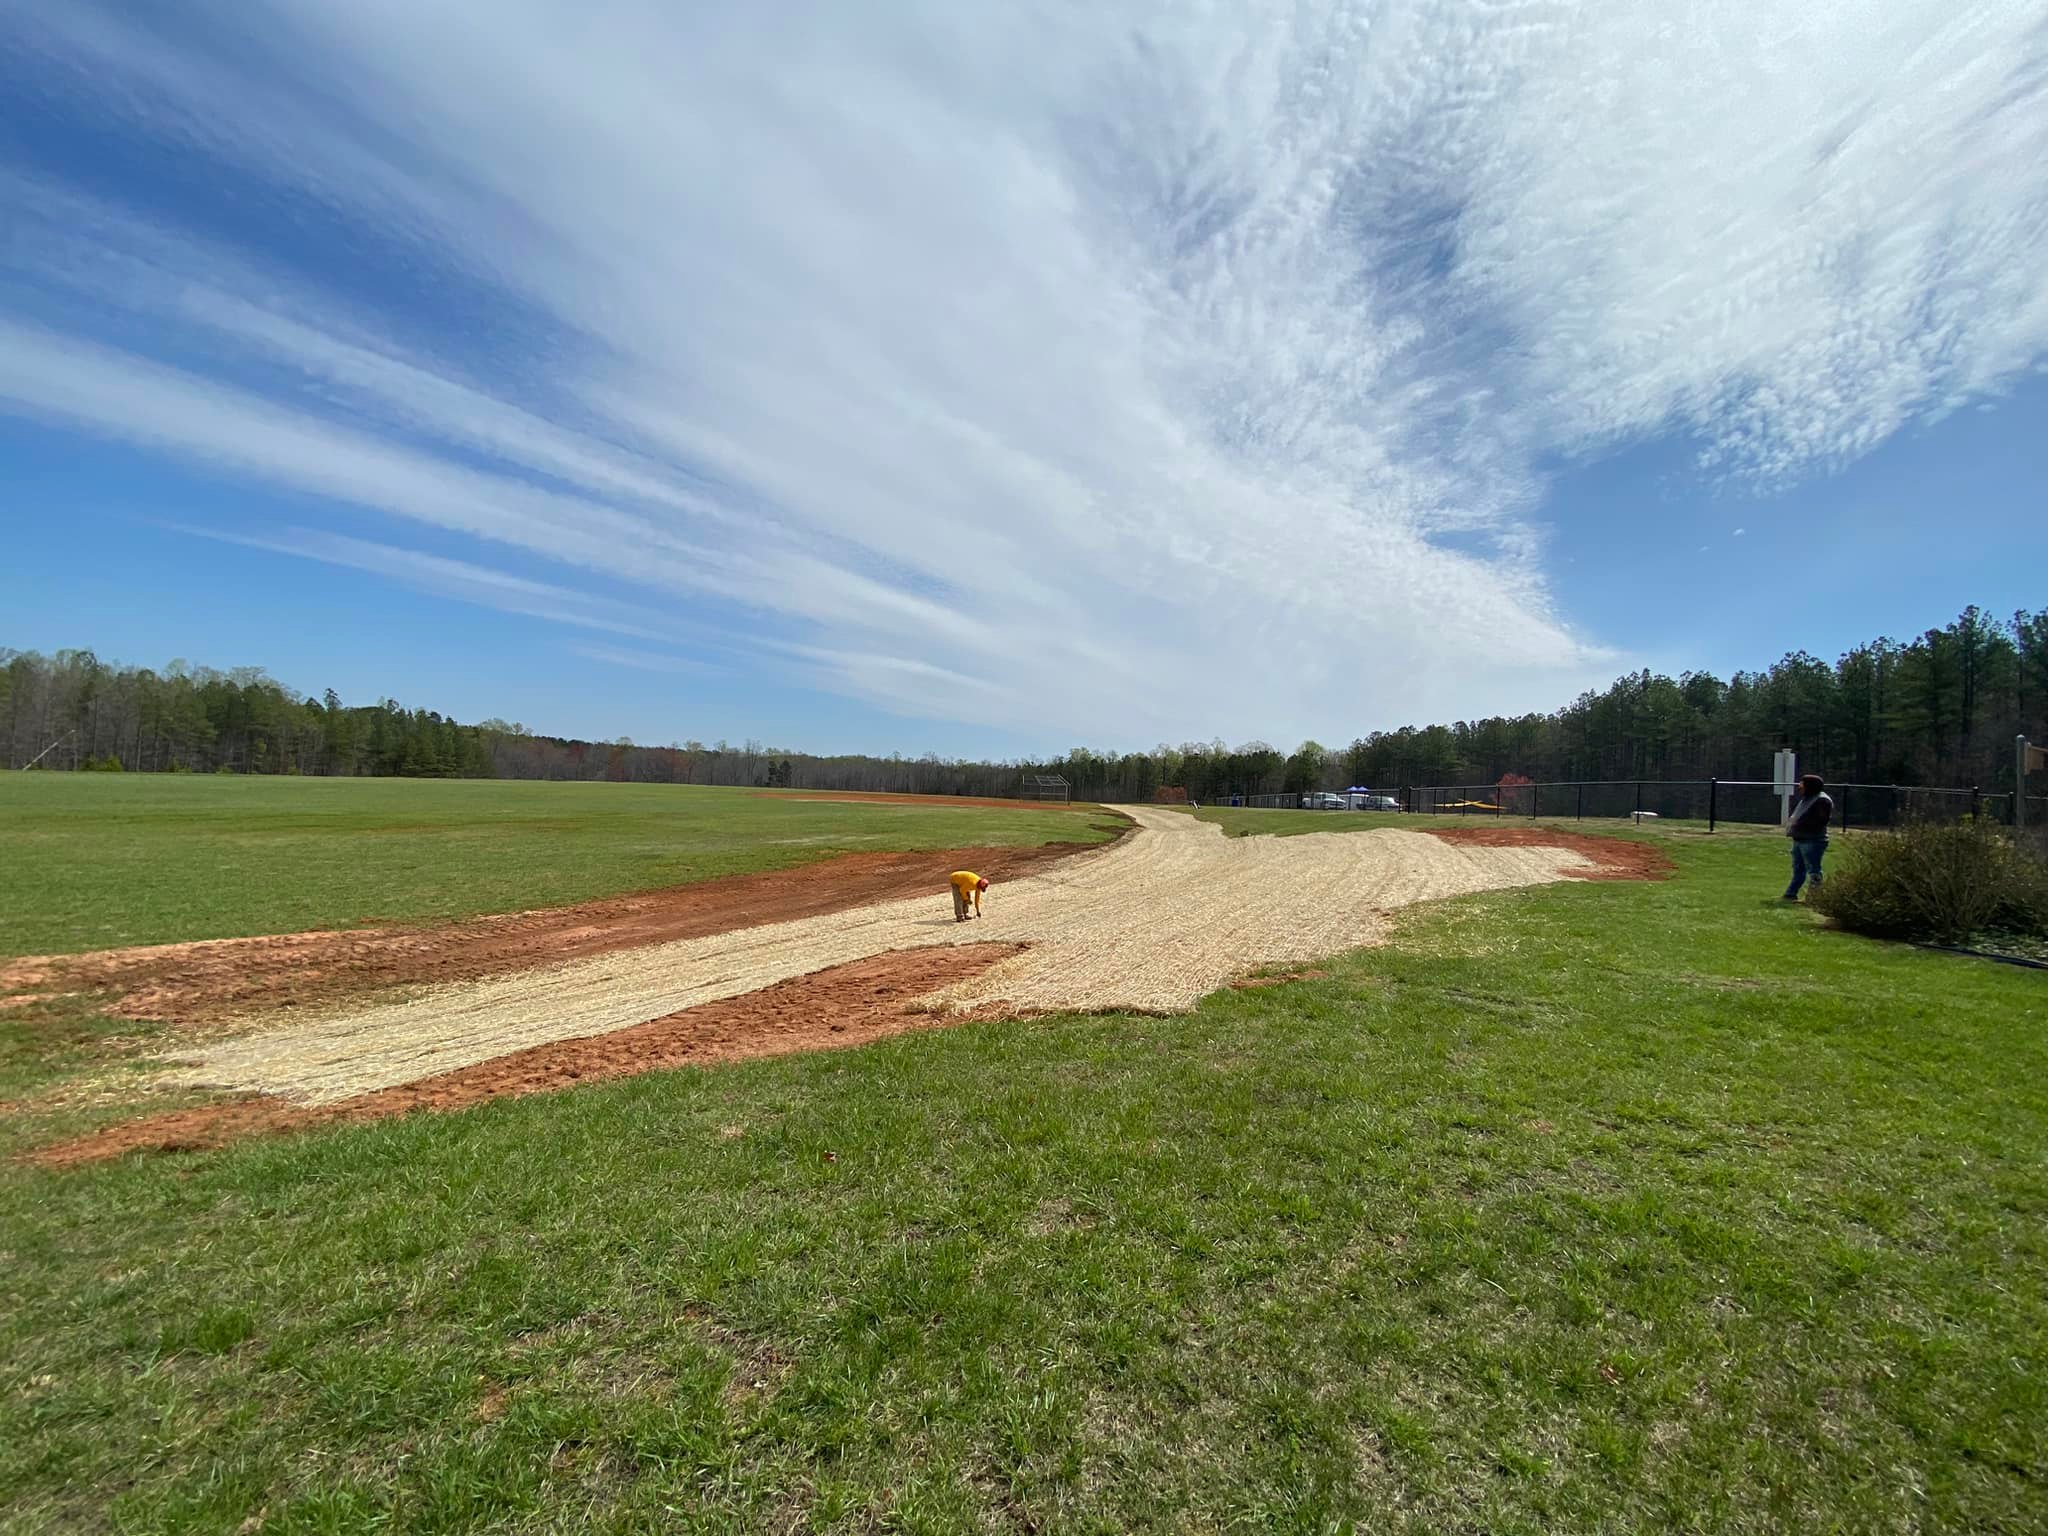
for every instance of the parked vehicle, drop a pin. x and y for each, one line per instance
(1323, 801)
(1359, 798)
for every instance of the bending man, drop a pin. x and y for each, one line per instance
(967, 887)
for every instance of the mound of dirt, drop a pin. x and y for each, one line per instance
(847, 1005)
(1150, 925)
(1608, 858)
(189, 983)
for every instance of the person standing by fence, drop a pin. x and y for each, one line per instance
(1807, 826)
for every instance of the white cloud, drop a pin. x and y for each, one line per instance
(458, 579)
(1119, 371)
(641, 661)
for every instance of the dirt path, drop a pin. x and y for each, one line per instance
(1153, 923)
(187, 983)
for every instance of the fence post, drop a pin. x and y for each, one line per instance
(1844, 803)
(1639, 802)
(1582, 800)
(1713, 801)
(1973, 802)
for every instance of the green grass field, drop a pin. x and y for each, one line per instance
(94, 860)
(1603, 1207)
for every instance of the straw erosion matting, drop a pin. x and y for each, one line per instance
(1154, 923)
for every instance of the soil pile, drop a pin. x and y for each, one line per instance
(1151, 924)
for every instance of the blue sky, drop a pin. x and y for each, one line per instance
(907, 377)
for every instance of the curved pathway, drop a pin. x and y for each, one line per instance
(1152, 923)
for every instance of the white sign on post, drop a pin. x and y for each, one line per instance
(1785, 779)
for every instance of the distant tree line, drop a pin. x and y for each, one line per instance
(1939, 709)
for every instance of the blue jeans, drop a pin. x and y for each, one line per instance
(1806, 856)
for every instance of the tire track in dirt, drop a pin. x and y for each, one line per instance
(1150, 924)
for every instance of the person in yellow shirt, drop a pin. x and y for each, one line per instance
(967, 887)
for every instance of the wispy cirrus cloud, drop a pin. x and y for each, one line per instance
(1123, 370)
(459, 579)
(642, 661)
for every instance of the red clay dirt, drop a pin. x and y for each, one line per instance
(187, 983)
(847, 1005)
(1613, 858)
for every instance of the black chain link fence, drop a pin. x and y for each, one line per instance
(1746, 802)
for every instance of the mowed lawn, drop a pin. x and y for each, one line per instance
(94, 861)
(1594, 1207)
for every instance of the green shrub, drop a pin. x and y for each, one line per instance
(1937, 883)
(2026, 903)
